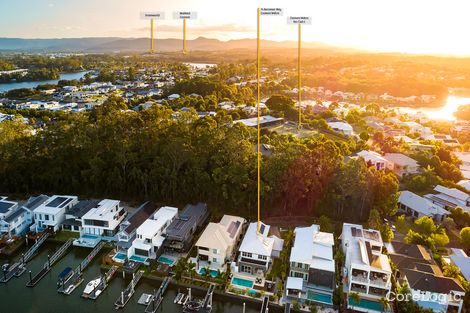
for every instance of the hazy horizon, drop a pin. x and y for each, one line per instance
(420, 27)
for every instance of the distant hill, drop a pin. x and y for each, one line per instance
(116, 44)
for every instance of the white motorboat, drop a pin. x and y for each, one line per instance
(91, 286)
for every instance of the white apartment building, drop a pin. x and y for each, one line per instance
(51, 213)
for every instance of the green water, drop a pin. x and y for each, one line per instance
(15, 297)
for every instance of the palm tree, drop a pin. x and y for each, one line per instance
(354, 296)
(180, 268)
(385, 303)
(191, 269)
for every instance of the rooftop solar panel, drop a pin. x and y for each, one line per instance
(233, 227)
(65, 203)
(261, 229)
(56, 202)
(5, 207)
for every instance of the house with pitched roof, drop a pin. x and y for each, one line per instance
(449, 198)
(428, 286)
(216, 245)
(257, 251)
(417, 206)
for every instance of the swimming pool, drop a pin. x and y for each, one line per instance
(86, 236)
(366, 304)
(120, 257)
(319, 297)
(165, 260)
(242, 282)
(212, 273)
(137, 258)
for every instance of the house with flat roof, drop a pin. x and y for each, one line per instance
(417, 206)
(312, 266)
(256, 255)
(367, 270)
(216, 245)
(180, 233)
(428, 286)
(401, 164)
(128, 228)
(150, 235)
(51, 213)
(73, 215)
(101, 223)
(373, 158)
(449, 198)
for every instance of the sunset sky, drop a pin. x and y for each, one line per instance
(415, 26)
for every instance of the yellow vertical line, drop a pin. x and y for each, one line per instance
(151, 36)
(299, 73)
(258, 61)
(184, 36)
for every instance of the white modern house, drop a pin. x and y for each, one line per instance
(128, 228)
(312, 266)
(50, 214)
(401, 164)
(101, 223)
(367, 270)
(373, 158)
(417, 206)
(216, 245)
(151, 234)
(256, 254)
(342, 128)
(449, 198)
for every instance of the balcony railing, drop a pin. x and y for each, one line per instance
(379, 282)
(360, 279)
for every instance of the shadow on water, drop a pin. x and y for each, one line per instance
(15, 297)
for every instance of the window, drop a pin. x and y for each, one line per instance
(204, 248)
(247, 254)
(262, 257)
(214, 260)
(215, 251)
(46, 217)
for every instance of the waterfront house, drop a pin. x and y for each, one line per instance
(256, 255)
(417, 206)
(73, 215)
(449, 198)
(128, 228)
(312, 266)
(150, 235)
(216, 245)
(101, 223)
(180, 233)
(373, 158)
(367, 270)
(401, 164)
(50, 214)
(429, 288)
(30, 206)
(13, 218)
